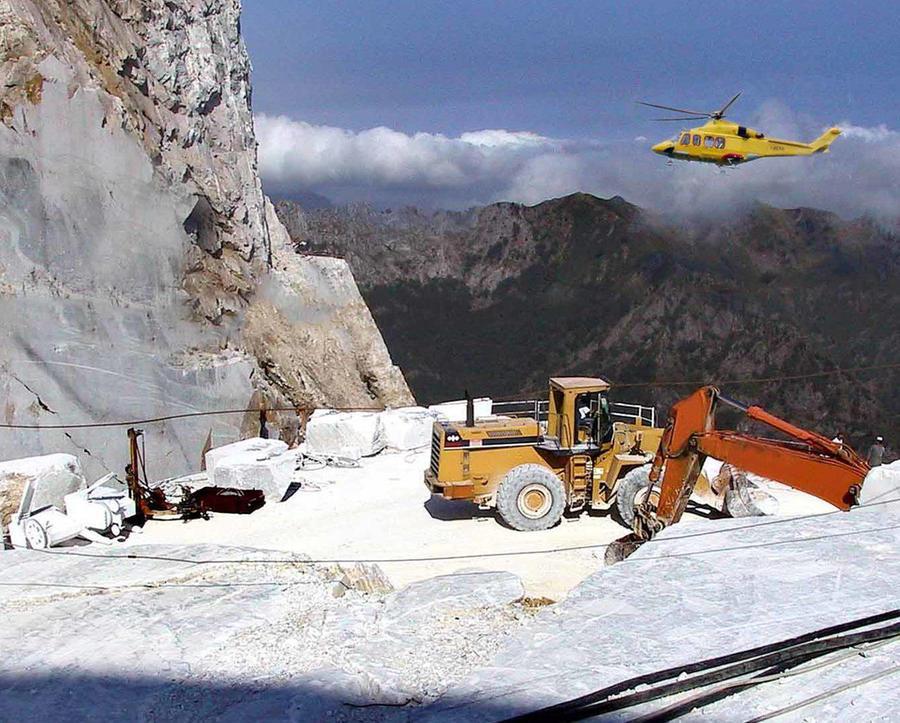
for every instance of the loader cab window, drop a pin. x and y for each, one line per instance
(593, 423)
(585, 414)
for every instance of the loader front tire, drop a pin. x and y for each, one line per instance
(632, 490)
(531, 497)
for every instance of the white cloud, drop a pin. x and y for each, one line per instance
(294, 152)
(496, 138)
(878, 134)
(860, 175)
(546, 176)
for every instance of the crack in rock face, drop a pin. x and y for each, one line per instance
(37, 397)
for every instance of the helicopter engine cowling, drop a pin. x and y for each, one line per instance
(745, 132)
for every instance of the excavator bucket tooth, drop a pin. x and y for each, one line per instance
(619, 549)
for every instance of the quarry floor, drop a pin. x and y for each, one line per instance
(222, 619)
(382, 510)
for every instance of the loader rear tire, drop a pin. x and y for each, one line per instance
(631, 491)
(531, 497)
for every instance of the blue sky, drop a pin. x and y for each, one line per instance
(566, 72)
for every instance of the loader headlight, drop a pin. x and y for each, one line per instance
(452, 438)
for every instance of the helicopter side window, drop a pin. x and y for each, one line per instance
(696, 140)
(708, 141)
(686, 139)
(720, 142)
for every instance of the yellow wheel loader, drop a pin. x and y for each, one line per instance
(535, 460)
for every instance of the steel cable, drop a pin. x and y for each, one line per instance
(511, 553)
(784, 653)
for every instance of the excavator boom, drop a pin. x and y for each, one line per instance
(808, 461)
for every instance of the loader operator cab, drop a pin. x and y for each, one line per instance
(578, 414)
(594, 424)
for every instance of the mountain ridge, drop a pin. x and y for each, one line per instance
(498, 298)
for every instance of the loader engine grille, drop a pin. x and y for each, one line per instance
(435, 450)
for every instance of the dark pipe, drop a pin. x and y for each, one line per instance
(470, 410)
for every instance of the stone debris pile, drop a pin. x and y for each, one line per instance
(46, 501)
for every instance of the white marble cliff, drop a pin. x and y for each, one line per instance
(142, 270)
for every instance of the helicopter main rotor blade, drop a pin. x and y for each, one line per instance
(701, 113)
(720, 113)
(683, 118)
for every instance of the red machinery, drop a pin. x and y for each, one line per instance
(807, 461)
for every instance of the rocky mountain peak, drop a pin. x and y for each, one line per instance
(585, 285)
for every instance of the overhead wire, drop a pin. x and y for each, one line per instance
(251, 410)
(760, 380)
(182, 415)
(511, 553)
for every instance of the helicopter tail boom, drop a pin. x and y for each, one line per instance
(821, 144)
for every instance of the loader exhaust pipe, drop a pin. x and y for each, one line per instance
(470, 410)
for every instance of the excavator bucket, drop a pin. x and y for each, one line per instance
(808, 462)
(618, 550)
(730, 492)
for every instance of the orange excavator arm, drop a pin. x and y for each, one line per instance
(808, 461)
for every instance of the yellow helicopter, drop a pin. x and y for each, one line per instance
(725, 143)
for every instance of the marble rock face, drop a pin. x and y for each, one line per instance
(143, 273)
